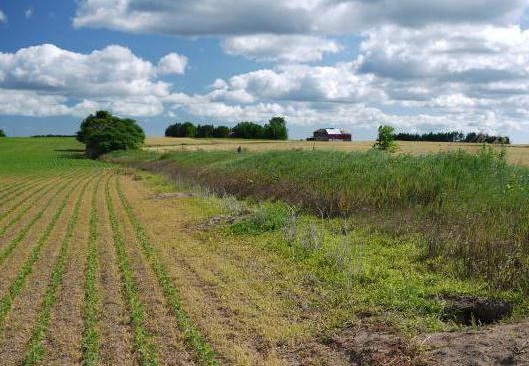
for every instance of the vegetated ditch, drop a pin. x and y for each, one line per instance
(437, 196)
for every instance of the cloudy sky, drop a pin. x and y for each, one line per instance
(419, 65)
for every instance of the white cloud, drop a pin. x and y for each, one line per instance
(280, 48)
(29, 12)
(3, 17)
(172, 63)
(222, 17)
(47, 80)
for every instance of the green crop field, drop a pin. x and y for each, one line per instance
(260, 258)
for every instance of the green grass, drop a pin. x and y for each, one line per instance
(36, 350)
(471, 209)
(142, 340)
(194, 339)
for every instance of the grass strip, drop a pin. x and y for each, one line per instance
(194, 339)
(7, 300)
(6, 252)
(145, 348)
(90, 342)
(36, 349)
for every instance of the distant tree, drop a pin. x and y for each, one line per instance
(173, 130)
(102, 132)
(188, 129)
(248, 130)
(386, 139)
(221, 132)
(2, 133)
(276, 129)
(204, 131)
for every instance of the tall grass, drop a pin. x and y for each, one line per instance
(471, 208)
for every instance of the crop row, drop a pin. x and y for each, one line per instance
(194, 339)
(36, 349)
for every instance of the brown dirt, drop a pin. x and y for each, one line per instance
(492, 345)
(159, 322)
(63, 340)
(115, 331)
(18, 325)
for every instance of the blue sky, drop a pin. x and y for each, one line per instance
(417, 65)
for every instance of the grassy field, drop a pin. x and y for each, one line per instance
(516, 154)
(102, 264)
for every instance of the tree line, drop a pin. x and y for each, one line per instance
(275, 129)
(454, 136)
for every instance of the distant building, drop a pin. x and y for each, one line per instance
(331, 134)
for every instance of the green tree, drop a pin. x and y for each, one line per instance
(248, 130)
(2, 133)
(386, 139)
(102, 132)
(205, 131)
(276, 129)
(188, 129)
(174, 130)
(221, 132)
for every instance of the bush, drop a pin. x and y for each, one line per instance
(276, 129)
(2, 133)
(248, 130)
(386, 139)
(104, 132)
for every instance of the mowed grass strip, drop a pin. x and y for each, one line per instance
(6, 252)
(145, 348)
(18, 283)
(90, 342)
(43, 190)
(36, 350)
(194, 339)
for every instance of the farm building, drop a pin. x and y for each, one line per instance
(331, 134)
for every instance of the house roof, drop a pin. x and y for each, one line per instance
(333, 131)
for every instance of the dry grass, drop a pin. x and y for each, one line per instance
(516, 154)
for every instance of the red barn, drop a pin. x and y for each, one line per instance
(331, 134)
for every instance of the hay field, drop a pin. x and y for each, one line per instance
(516, 154)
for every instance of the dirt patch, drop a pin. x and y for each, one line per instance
(493, 345)
(376, 344)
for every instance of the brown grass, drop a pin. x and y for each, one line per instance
(516, 154)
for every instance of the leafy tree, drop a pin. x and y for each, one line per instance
(104, 132)
(276, 129)
(205, 131)
(188, 129)
(2, 133)
(173, 130)
(248, 130)
(221, 132)
(386, 139)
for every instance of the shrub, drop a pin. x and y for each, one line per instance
(386, 139)
(104, 132)
(2, 133)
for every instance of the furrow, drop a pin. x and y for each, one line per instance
(142, 340)
(160, 323)
(35, 351)
(8, 193)
(194, 339)
(7, 250)
(7, 300)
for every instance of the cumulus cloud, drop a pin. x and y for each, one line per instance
(45, 79)
(172, 63)
(222, 17)
(280, 48)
